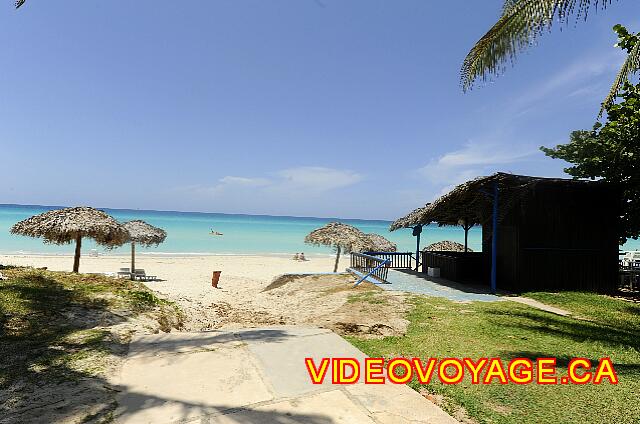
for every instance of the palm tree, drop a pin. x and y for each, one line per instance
(521, 23)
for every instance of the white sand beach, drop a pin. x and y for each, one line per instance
(190, 273)
(184, 267)
(240, 300)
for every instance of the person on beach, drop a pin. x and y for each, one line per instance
(301, 257)
(296, 257)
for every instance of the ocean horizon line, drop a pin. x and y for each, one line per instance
(161, 254)
(167, 211)
(188, 233)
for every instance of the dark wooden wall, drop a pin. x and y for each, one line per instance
(559, 237)
(461, 267)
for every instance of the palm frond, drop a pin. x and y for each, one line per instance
(630, 66)
(508, 5)
(19, 3)
(521, 23)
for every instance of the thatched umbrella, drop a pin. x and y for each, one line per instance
(63, 226)
(341, 236)
(381, 244)
(447, 246)
(145, 234)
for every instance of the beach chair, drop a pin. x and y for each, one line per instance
(140, 274)
(124, 273)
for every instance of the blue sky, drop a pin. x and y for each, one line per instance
(294, 107)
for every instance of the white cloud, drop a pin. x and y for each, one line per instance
(304, 179)
(503, 143)
(582, 78)
(305, 190)
(474, 153)
(474, 159)
(316, 178)
(244, 181)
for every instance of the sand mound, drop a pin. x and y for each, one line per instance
(327, 301)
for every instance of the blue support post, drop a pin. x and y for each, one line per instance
(417, 230)
(418, 252)
(494, 240)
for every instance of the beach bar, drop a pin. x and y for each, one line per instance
(537, 233)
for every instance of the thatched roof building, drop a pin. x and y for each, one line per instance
(412, 219)
(472, 202)
(537, 233)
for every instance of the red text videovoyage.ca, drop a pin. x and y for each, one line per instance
(455, 370)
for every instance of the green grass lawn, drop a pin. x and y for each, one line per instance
(606, 327)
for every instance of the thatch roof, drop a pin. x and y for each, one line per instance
(411, 219)
(63, 226)
(473, 201)
(337, 234)
(145, 234)
(381, 244)
(446, 246)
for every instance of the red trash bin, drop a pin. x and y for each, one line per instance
(215, 278)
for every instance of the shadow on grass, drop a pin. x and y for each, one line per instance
(38, 319)
(574, 329)
(562, 361)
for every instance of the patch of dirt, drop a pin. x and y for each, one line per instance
(326, 301)
(500, 409)
(281, 281)
(359, 329)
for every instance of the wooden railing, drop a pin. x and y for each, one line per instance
(399, 260)
(378, 268)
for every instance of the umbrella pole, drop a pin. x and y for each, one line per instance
(133, 260)
(335, 268)
(76, 256)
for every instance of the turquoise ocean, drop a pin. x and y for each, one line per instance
(188, 233)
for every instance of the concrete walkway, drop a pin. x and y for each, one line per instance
(254, 376)
(539, 305)
(419, 283)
